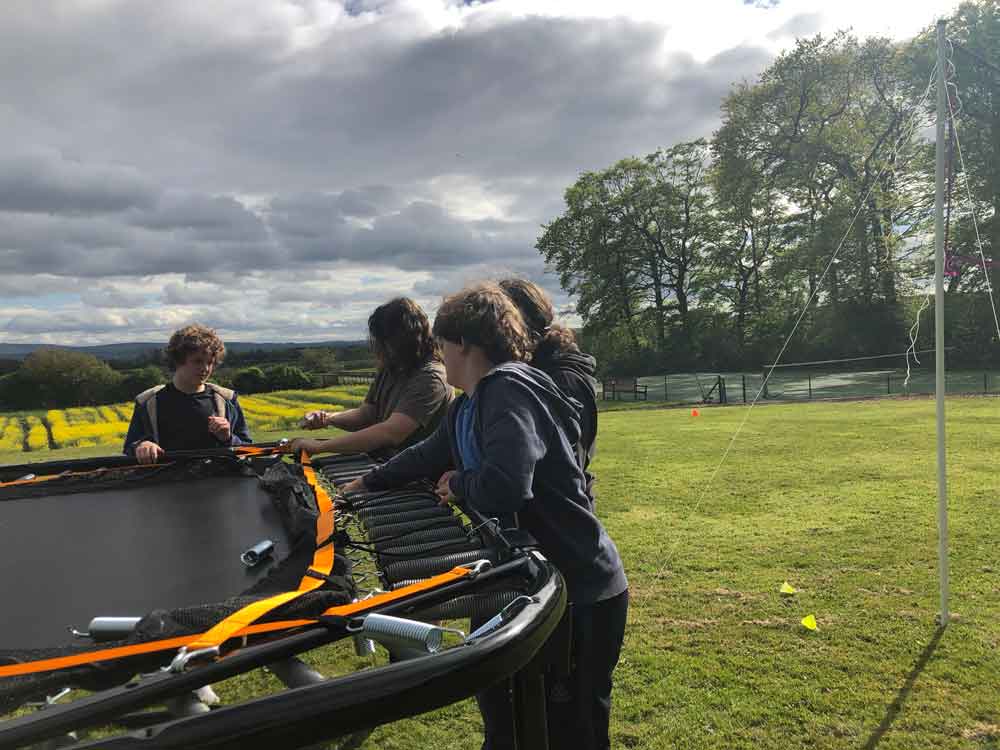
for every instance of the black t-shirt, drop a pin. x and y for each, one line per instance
(183, 419)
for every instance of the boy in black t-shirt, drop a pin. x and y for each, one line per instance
(188, 413)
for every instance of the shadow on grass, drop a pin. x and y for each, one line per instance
(904, 692)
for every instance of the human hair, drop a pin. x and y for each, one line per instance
(539, 315)
(400, 332)
(482, 315)
(191, 339)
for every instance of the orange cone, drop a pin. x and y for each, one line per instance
(695, 413)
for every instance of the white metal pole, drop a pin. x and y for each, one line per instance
(939, 382)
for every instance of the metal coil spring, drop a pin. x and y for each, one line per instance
(396, 529)
(383, 510)
(477, 605)
(428, 566)
(396, 632)
(342, 458)
(395, 497)
(424, 535)
(392, 554)
(414, 515)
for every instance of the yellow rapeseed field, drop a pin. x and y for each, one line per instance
(90, 426)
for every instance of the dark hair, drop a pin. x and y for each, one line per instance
(191, 339)
(538, 313)
(484, 316)
(400, 332)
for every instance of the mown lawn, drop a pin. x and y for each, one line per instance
(838, 499)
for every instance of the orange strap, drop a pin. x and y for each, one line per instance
(120, 652)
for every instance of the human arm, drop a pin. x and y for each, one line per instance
(139, 439)
(388, 434)
(349, 420)
(230, 430)
(428, 459)
(513, 440)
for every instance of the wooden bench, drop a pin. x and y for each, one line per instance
(618, 388)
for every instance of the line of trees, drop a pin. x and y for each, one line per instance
(705, 254)
(60, 378)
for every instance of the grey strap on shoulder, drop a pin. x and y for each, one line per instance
(147, 400)
(222, 395)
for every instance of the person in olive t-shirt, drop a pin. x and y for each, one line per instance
(406, 402)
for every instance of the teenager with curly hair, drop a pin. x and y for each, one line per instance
(188, 413)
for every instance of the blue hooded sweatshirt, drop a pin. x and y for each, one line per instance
(527, 433)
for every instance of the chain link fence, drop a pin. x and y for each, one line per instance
(795, 385)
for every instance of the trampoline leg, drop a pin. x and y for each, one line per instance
(67, 740)
(207, 695)
(530, 723)
(186, 705)
(293, 673)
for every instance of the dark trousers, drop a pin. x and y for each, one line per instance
(578, 706)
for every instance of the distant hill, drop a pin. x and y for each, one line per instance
(134, 350)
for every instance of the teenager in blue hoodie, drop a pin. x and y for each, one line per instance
(508, 446)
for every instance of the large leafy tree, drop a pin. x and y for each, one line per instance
(632, 240)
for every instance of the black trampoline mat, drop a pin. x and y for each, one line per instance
(127, 551)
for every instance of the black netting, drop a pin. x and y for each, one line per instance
(293, 497)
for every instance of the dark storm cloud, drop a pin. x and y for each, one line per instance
(528, 96)
(381, 102)
(48, 182)
(223, 142)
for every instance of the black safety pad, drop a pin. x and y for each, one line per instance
(125, 551)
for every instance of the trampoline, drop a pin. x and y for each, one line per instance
(132, 583)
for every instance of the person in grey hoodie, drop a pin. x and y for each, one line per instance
(508, 446)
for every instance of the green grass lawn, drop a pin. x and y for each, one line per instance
(838, 499)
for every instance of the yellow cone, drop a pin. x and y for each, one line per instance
(787, 589)
(809, 622)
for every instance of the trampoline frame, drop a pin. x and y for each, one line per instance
(521, 650)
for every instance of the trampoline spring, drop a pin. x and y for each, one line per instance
(408, 582)
(107, 628)
(419, 550)
(395, 498)
(398, 634)
(473, 606)
(391, 530)
(414, 515)
(258, 553)
(363, 646)
(366, 514)
(422, 535)
(426, 567)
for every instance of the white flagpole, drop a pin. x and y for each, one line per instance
(939, 382)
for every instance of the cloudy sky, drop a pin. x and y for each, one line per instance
(276, 168)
